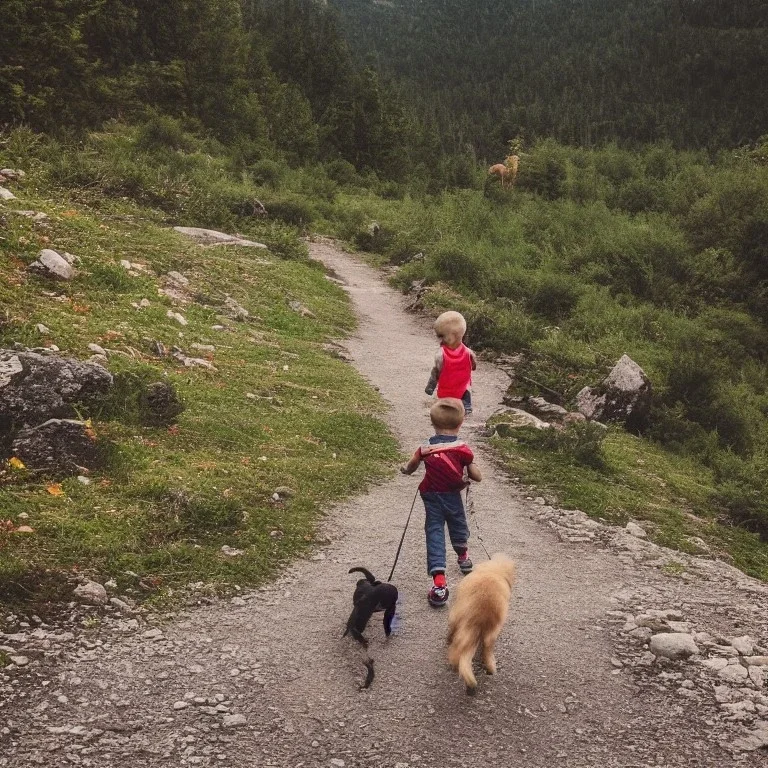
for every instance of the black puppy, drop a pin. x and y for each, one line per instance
(370, 597)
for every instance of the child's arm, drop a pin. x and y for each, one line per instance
(473, 358)
(413, 464)
(435, 373)
(474, 473)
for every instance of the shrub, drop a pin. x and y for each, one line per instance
(342, 172)
(554, 295)
(579, 443)
(164, 132)
(293, 211)
(267, 172)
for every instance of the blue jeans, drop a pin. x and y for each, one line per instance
(466, 398)
(443, 509)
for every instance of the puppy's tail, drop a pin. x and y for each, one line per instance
(368, 575)
(463, 646)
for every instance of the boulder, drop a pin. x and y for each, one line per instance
(52, 264)
(35, 387)
(623, 396)
(515, 418)
(6, 194)
(57, 447)
(673, 645)
(212, 237)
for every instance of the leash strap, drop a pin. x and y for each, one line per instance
(470, 505)
(402, 538)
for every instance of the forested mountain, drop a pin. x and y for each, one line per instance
(582, 71)
(262, 75)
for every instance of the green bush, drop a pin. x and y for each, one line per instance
(554, 295)
(267, 172)
(579, 443)
(164, 132)
(291, 210)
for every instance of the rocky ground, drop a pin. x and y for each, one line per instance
(618, 652)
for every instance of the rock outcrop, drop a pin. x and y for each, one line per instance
(623, 396)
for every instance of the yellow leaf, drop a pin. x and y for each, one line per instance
(55, 489)
(15, 463)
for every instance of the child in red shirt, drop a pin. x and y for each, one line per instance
(445, 457)
(454, 362)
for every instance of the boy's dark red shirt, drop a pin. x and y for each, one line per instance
(444, 460)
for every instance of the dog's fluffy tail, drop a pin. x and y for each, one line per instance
(463, 646)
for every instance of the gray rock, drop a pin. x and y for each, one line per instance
(300, 309)
(745, 645)
(213, 237)
(235, 310)
(177, 316)
(36, 387)
(232, 721)
(14, 174)
(624, 396)
(756, 661)
(673, 645)
(97, 350)
(19, 661)
(178, 278)
(635, 530)
(756, 739)
(121, 605)
(58, 447)
(43, 329)
(160, 403)
(6, 194)
(52, 264)
(734, 674)
(92, 593)
(715, 664)
(515, 418)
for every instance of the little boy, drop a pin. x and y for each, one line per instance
(444, 457)
(454, 362)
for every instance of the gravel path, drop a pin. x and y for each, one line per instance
(266, 680)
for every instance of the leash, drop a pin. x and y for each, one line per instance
(470, 505)
(402, 538)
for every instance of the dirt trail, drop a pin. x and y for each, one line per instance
(287, 684)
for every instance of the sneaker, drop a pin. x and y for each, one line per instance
(438, 596)
(465, 564)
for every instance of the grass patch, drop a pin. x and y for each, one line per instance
(635, 479)
(278, 411)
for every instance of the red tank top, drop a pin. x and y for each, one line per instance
(456, 374)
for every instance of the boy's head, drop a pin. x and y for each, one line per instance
(447, 414)
(450, 328)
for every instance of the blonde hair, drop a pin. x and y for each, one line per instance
(447, 413)
(451, 327)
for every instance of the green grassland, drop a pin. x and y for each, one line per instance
(279, 410)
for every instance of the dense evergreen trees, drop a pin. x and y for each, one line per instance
(262, 75)
(583, 71)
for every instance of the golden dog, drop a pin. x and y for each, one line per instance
(477, 615)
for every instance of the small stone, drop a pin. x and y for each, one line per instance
(43, 329)
(232, 721)
(715, 664)
(153, 634)
(734, 673)
(723, 694)
(144, 303)
(757, 676)
(91, 592)
(744, 645)
(6, 194)
(673, 645)
(53, 264)
(97, 350)
(635, 530)
(178, 278)
(618, 663)
(231, 551)
(179, 318)
(337, 762)
(756, 661)
(125, 264)
(83, 480)
(19, 661)
(180, 704)
(121, 605)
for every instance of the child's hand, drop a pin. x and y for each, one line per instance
(429, 389)
(404, 469)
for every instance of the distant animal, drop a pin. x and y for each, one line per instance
(370, 596)
(477, 616)
(512, 162)
(506, 171)
(499, 170)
